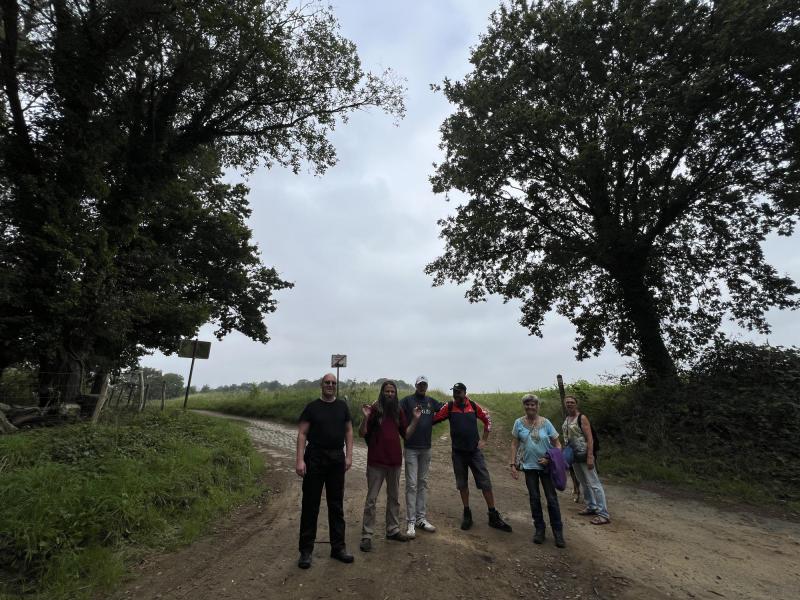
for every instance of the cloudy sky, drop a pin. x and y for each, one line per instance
(355, 243)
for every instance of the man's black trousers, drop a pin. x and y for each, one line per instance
(324, 468)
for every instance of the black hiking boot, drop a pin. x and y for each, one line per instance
(342, 555)
(305, 560)
(496, 521)
(538, 536)
(559, 537)
(466, 521)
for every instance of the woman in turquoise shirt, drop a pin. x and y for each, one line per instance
(531, 437)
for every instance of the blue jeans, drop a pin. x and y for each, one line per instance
(533, 477)
(593, 493)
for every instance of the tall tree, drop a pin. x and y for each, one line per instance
(117, 119)
(623, 160)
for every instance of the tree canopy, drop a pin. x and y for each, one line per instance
(623, 161)
(117, 121)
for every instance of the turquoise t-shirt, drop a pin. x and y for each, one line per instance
(534, 444)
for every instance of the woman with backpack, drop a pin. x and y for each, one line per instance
(578, 435)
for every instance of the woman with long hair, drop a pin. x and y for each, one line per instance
(382, 427)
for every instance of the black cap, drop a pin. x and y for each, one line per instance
(459, 386)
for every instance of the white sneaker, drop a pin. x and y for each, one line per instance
(425, 525)
(410, 532)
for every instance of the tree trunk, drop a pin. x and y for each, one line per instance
(100, 380)
(638, 299)
(60, 377)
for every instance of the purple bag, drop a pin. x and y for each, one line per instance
(557, 468)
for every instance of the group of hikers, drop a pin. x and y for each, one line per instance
(325, 453)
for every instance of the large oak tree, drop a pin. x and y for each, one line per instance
(117, 121)
(623, 161)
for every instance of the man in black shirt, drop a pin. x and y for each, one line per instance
(326, 426)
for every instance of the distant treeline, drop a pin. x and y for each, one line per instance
(300, 384)
(18, 385)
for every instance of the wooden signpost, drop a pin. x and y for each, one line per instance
(338, 361)
(192, 349)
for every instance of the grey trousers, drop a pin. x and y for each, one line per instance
(418, 461)
(375, 479)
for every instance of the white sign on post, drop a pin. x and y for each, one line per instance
(338, 360)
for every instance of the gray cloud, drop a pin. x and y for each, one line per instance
(355, 243)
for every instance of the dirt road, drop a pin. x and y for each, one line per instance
(656, 547)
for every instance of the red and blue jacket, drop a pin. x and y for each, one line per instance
(464, 423)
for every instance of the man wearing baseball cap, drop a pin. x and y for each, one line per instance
(467, 454)
(417, 456)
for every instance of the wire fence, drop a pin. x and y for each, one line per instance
(30, 399)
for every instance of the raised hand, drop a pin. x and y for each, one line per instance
(366, 410)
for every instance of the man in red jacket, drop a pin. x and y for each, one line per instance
(463, 415)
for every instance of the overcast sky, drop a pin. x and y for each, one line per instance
(355, 243)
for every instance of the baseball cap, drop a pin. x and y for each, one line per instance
(459, 386)
(421, 379)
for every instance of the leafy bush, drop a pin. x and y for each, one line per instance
(18, 386)
(734, 415)
(77, 499)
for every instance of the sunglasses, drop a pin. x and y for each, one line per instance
(328, 383)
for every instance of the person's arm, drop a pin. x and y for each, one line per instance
(441, 414)
(409, 430)
(512, 464)
(348, 446)
(586, 428)
(552, 435)
(366, 411)
(302, 434)
(487, 425)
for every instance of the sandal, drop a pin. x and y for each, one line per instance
(587, 512)
(598, 520)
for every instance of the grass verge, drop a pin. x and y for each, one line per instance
(81, 502)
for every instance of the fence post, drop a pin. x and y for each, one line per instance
(163, 393)
(141, 391)
(101, 399)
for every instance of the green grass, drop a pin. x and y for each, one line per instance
(286, 406)
(81, 502)
(695, 474)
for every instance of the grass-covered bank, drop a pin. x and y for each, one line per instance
(78, 502)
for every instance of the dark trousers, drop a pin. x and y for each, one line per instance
(532, 479)
(323, 469)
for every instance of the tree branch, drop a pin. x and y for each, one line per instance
(8, 67)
